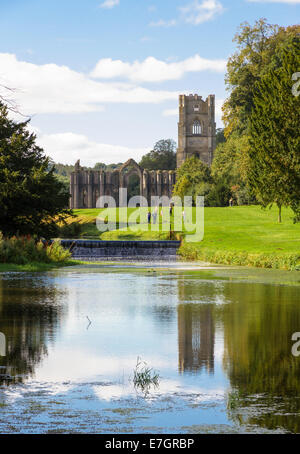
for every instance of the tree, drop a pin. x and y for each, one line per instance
(32, 199)
(230, 170)
(6, 98)
(274, 134)
(193, 178)
(162, 157)
(106, 167)
(100, 166)
(250, 71)
(257, 54)
(220, 136)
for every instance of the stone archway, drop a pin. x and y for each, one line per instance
(133, 184)
(128, 170)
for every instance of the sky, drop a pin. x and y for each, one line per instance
(100, 79)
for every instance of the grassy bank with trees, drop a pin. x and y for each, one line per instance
(258, 159)
(239, 235)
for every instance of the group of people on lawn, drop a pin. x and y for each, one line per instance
(155, 214)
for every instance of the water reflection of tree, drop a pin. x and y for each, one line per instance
(29, 315)
(258, 322)
(258, 327)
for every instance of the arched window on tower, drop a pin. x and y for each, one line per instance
(197, 127)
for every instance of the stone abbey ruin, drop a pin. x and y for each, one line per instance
(196, 137)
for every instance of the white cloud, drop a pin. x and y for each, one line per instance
(108, 4)
(291, 2)
(196, 13)
(51, 88)
(153, 70)
(67, 147)
(163, 23)
(145, 39)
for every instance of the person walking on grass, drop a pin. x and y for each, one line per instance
(149, 217)
(154, 215)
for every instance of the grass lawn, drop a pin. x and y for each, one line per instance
(87, 217)
(248, 235)
(242, 228)
(239, 235)
(250, 229)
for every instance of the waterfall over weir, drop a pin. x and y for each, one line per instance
(92, 250)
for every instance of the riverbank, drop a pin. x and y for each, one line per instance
(242, 235)
(247, 236)
(238, 236)
(24, 253)
(36, 266)
(196, 251)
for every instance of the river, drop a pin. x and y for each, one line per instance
(219, 338)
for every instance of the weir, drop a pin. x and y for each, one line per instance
(93, 250)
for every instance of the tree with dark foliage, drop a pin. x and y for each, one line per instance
(274, 135)
(32, 200)
(162, 157)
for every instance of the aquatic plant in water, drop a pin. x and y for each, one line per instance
(144, 377)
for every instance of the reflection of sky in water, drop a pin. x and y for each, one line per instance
(131, 317)
(177, 323)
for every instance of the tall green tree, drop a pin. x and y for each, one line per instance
(220, 136)
(162, 157)
(32, 199)
(257, 53)
(274, 134)
(230, 170)
(193, 178)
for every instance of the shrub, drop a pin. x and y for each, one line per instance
(25, 249)
(56, 253)
(70, 230)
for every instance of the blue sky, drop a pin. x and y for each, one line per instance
(101, 78)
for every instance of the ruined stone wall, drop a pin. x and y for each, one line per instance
(87, 186)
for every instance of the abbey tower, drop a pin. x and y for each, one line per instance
(196, 128)
(196, 137)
